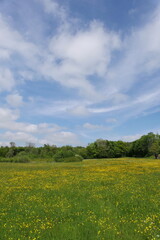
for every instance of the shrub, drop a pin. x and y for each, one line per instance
(63, 153)
(5, 159)
(18, 159)
(10, 153)
(22, 153)
(75, 158)
(67, 156)
(21, 159)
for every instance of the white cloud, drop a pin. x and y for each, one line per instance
(41, 133)
(51, 108)
(57, 138)
(92, 126)
(79, 111)
(88, 50)
(43, 128)
(7, 114)
(132, 109)
(52, 7)
(14, 100)
(71, 56)
(18, 137)
(80, 54)
(82, 58)
(7, 81)
(4, 144)
(26, 75)
(12, 41)
(131, 138)
(61, 138)
(9, 119)
(4, 54)
(141, 55)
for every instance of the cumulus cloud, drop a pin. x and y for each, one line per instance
(81, 54)
(14, 100)
(8, 120)
(58, 138)
(12, 41)
(4, 54)
(7, 81)
(73, 55)
(105, 72)
(7, 114)
(70, 58)
(61, 138)
(140, 55)
(89, 50)
(18, 137)
(42, 133)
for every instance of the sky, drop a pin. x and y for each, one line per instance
(75, 71)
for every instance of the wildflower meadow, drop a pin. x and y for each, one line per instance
(105, 199)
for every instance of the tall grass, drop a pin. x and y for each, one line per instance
(108, 199)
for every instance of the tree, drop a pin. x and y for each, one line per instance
(140, 147)
(121, 149)
(81, 151)
(30, 145)
(4, 151)
(10, 153)
(12, 144)
(155, 148)
(91, 150)
(67, 155)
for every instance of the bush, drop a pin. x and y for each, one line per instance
(21, 159)
(62, 154)
(67, 156)
(22, 153)
(5, 159)
(18, 159)
(76, 158)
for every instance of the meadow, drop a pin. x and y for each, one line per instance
(105, 199)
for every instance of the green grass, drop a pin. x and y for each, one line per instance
(107, 199)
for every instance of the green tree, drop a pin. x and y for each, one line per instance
(155, 148)
(10, 153)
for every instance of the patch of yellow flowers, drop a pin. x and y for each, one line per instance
(106, 199)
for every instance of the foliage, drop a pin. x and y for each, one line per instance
(107, 149)
(10, 153)
(81, 151)
(66, 154)
(17, 159)
(145, 146)
(154, 148)
(22, 159)
(63, 154)
(142, 146)
(75, 158)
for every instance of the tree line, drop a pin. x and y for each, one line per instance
(146, 146)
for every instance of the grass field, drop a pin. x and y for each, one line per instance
(109, 199)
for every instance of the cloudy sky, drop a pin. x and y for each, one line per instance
(73, 71)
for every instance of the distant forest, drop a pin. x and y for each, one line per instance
(146, 146)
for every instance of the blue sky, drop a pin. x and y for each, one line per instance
(74, 71)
